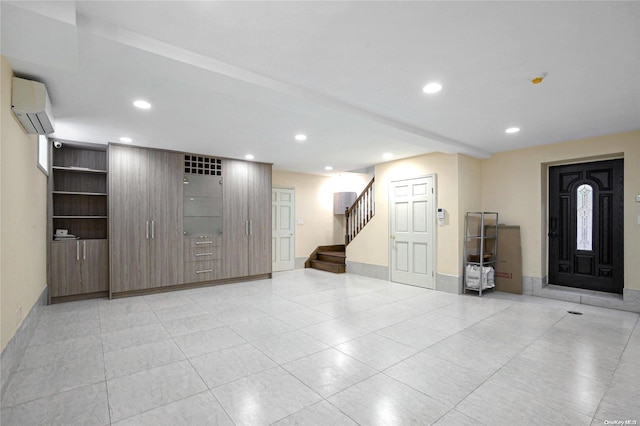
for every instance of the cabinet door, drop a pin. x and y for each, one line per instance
(259, 200)
(95, 266)
(165, 203)
(235, 238)
(129, 229)
(66, 263)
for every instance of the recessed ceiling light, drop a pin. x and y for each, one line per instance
(387, 156)
(249, 157)
(142, 104)
(126, 139)
(432, 87)
(512, 130)
(328, 168)
(301, 137)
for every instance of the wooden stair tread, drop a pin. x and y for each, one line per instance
(328, 266)
(333, 253)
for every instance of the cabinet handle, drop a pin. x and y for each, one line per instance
(246, 227)
(84, 250)
(204, 242)
(203, 254)
(147, 230)
(204, 271)
(153, 229)
(77, 250)
(250, 227)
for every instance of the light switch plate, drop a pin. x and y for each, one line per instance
(637, 198)
(300, 221)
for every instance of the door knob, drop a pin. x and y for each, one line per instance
(393, 237)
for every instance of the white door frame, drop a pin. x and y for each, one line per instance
(293, 226)
(433, 239)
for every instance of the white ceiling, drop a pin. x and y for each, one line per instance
(231, 78)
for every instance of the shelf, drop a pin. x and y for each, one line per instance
(79, 193)
(78, 169)
(75, 239)
(478, 290)
(477, 226)
(79, 217)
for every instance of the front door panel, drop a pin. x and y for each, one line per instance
(586, 226)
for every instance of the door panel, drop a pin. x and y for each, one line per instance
(66, 260)
(402, 256)
(235, 236)
(420, 216)
(166, 211)
(402, 217)
(259, 210)
(95, 271)
(586, 225)
(419, 256)
(412, 232)
(128, 216)
(283, 229)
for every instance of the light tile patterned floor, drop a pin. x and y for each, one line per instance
(313, 348)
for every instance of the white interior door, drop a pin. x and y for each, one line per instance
(412, 238)
(283, 229)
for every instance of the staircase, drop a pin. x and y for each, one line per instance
(332, 258)
(328, 258)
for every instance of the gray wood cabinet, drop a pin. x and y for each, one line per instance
(79, 267)
(165, 213)
(129, 213)
(259, 201)
(147, 247)
(146, 218)
(77, 222)
(247, 219)
(235, 217)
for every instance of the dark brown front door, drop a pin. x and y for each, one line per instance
(586, 226)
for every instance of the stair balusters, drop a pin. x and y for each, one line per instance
(360, 213)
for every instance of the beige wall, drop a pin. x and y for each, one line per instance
(314, 205)
(372, 244)
(22, 218)
(469, 195)
(514, 184)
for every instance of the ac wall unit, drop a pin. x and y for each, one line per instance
(30, 104)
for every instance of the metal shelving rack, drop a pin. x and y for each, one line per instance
(481, 237)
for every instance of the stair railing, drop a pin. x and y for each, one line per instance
(360, 213)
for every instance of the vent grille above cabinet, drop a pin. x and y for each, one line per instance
(200, 165)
